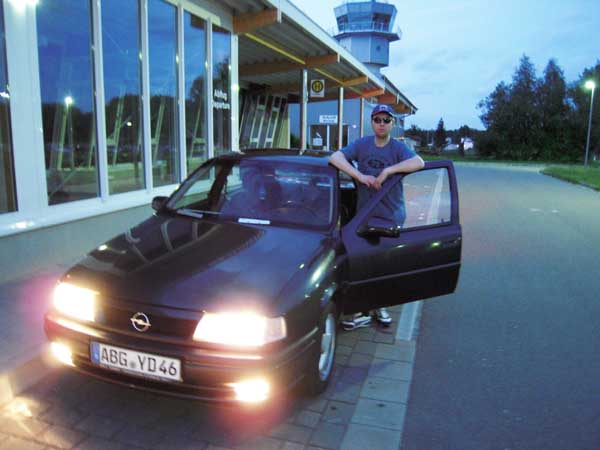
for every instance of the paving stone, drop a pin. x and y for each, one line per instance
(95, 443)
(61, 437)
(354, 375)
(384, 389)
(365, 334)
(341, 360)
(364, 347)
(328, 435)
(347, 338)
(61, 415)
(25, 428)
(383, 337)
(344, 392)
(25, 406)
(289, 432)
(400, 351)
(101, 426)
(338, 412)
(360, 360)
(343, 350)
(394, 370)
(14, 443)
(361, 437)
(316, 404)
(261, 443)
(176, 442)
(141, 436)
(307, 418)
(216, 447)
(378, 413)
(292, 446)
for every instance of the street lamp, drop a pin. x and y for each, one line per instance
(589, 85)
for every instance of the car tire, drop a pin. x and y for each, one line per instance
(321, 365)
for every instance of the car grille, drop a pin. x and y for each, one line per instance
(119, 317)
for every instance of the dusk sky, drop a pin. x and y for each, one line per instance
(453, 53)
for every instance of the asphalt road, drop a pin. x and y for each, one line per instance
(512, 359)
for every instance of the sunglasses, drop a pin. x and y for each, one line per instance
(378, 120)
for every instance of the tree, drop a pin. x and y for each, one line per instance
(578, 114)
(439, 137)
(553, 110)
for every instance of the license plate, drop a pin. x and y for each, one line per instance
(138, 363)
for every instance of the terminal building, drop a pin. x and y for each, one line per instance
(105, 104)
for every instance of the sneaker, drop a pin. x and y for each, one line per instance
(383, 316)
(358, 320)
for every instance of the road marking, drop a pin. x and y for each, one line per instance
(409, 319)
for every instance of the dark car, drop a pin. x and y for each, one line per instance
(232, 290)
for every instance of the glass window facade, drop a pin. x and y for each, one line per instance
(194, 36)
(8, 201)
(122, 95)
(221, 53)
(162, 38)
(66, 85)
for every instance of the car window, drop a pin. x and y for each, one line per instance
(270, 192)
(419, 199)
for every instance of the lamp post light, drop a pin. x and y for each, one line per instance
(589, 85)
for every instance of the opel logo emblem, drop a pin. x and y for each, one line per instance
(140, 322)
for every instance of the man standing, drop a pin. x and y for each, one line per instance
(377, 157)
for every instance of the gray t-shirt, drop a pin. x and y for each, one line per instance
(371, 160)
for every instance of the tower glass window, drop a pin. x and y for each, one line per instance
(66, 85)
(162, 37)
(122, 89)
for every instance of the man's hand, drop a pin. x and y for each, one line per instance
(380, 179)
(368, 180)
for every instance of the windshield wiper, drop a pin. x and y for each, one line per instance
(196, 213)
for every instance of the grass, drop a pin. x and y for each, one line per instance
(573, 173)
(587, 176)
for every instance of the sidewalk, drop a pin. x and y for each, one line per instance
(364, 407)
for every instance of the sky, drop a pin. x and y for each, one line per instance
(453, 54)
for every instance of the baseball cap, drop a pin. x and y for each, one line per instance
(382, 109)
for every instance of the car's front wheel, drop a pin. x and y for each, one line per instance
(321, 365)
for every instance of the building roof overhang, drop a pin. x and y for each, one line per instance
(277, 40)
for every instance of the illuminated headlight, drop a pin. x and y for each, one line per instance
(75, 301)
(239, 329)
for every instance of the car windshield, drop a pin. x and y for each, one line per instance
(259, 190)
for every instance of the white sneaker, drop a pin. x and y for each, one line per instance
(383, 316)
(358, 320)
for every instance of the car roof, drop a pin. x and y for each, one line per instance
(307, 157)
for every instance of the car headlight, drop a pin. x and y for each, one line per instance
(75, 301)
(244, 329)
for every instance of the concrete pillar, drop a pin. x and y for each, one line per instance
(303, 107)
(340, 118)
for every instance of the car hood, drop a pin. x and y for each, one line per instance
(180, 262)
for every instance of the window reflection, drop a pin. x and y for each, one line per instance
(122, 89)
(162, 37)
(221, 89)
(194, 34)
(65, 61)
(8, 201)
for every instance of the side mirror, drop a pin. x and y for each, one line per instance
(158, 202)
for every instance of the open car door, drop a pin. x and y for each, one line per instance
(391, 263)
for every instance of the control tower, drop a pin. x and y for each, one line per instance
(365, 29)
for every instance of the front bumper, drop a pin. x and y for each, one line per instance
(207, 374)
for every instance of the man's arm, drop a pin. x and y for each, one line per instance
(407, 166)
(338, 159)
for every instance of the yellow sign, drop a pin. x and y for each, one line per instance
(317, 88)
